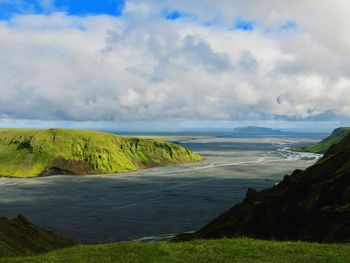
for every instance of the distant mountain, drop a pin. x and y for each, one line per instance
(256, 130)
(20, 237)
(310, 205)
(30, 153)
(336, 136)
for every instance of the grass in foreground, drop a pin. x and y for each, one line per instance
(225, 250)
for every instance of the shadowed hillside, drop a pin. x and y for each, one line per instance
(310, 205)
(20, 237)
(29, 153)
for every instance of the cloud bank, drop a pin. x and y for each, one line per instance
(203, 60)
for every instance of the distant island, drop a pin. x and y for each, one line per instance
(256, 130)
(31, 153)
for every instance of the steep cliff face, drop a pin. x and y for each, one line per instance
(20, 237)
(311, 205)
(30, 153)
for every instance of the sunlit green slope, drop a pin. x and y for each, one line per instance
(336, 136)
(30, 153)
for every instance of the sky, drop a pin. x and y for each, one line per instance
(173, 65)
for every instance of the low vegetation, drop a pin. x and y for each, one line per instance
(30, 153)
(241, 250)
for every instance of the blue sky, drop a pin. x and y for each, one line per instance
(157, 64)
(81, 7)
(244, 25)
(71, 7)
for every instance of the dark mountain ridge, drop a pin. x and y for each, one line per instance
(20, 237)
(310, 205)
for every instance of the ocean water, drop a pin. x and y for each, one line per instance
(160, 201)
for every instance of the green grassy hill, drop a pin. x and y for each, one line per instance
(241, 250)
(310, 205)
(336, 136)
(30, 153)
(20, 237)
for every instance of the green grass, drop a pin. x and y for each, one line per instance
(336, 136)
(28, 152)
(211, 251)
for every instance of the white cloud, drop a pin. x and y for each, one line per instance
(142, 67)
(246, 94)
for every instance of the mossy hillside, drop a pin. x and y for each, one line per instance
(336, 136)
(242, 250)
(29, 153)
